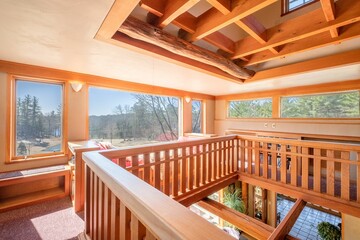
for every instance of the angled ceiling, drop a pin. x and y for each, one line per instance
(61, 34)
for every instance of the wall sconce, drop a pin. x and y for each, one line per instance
(76, 86)
(187, 99)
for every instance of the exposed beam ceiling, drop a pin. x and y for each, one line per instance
(328, 7)
(147, 33)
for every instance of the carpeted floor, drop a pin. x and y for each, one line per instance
(53, 220)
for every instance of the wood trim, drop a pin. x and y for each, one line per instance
(33, 71)
(287, 223)
(294, 91)
(328, 62)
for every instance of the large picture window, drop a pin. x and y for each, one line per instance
(126, 119)
(332, 105)
(258, 108)
(38, 118)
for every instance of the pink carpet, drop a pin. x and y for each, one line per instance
(53, 220)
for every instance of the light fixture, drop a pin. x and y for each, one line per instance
(187, 99)
(76, 86)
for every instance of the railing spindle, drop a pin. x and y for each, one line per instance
(330, 172)
(265, 155)
(138, 231)
(147, 168)
(157, 173)
(257, 158)
(345, 176)
(125, 219)
(203, 164)
(317, 170)
(305, 168)
(183, 170)
(293, 166)
(273, 162)
(175, 174)
(166, 177)
(283, 163)
(191, 168)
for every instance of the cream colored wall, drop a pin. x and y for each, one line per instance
(350, 227)
(335, 127)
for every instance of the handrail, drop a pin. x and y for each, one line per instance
(115, 197)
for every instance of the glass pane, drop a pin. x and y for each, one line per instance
(334, 105)
(196, 116)
(259, 108)
(293, 4)
(126, 119)
(38, 118)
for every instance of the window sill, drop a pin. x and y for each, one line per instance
(42, 158)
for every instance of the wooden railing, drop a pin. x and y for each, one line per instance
(119, 204)
(181, 169)
(325, 169)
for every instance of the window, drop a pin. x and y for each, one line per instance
(126, 119)
(258, 108)
(332, 105)
(38, 117)
(196, 111)
(291, 5)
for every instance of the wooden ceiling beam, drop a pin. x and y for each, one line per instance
(213, 20)
(249, 24)
(118, 13)
(348, 32)
(139, 30)
(288, 222)
(332, 61)
(187, 22)
(250, 226)
(348, 12)
(173, 9)
(328, 7)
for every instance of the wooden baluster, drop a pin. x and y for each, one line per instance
(330, 172)
(283, 163)
(293, 166)
(166, 189)
(242, 155)
(345, 176)
(135, 164)
(305, 168)
(233, 157)
(96, 203)
(235, 154)
(273, 161)
(191, 168)
(184, 167)
(175, 173)
(216, 161)
(249, 156)
(317, 170)
(125, 219)
(209, 162)
(100, 206)
(358, 177)
(122, 162)
(226, 159)
(257, 158)
(91, 214)
(149, 235)
(107, 213)
(265, 160)
(222, 158)
(138, 231)
(115, 217)
(157, 173)
(203, 164)
(147, 168)
(198, 169)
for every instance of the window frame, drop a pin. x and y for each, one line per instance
(285, 7)
(316, 94)
(11, 120)
(249, 99)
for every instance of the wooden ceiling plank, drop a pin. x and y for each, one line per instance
(288, 222)
(348, 32)
(250, 226)
(336, 60)
(173, 9)
(328, 8)
(348, 12)
(145, 32)
(118, 13)
(249, 24)
(213, 20)
(187, 22)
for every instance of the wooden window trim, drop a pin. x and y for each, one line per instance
(285, 7)
(11, 118)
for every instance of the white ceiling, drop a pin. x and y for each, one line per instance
(59, 34)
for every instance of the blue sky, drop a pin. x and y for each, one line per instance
(49, 95)
(103, 101)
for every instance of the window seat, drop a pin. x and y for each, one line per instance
(19, 188)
